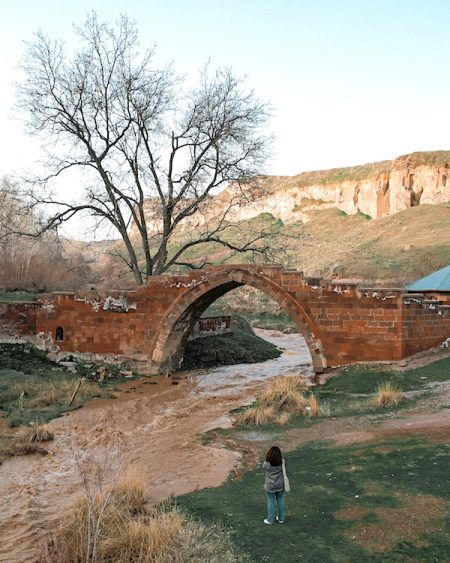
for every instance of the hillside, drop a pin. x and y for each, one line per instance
(394, 249)
(378, 189)
(386, 222)
(381, 223)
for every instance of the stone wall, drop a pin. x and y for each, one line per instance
(210, 326)
(426, 322)
(341, 322)
(18, 319)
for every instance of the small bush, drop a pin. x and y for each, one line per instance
(129, 491)
(40, 433)
(25, 442)
(285, 394)
(283, 399)
(387, 395)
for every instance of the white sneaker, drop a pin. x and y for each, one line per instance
(279, 521)
(267, 522)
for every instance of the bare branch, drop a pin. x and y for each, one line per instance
(142, 140)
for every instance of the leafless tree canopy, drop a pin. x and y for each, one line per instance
(138, 133)
(36, 263)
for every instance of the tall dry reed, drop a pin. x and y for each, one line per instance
(129, 532)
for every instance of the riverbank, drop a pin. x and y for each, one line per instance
(165, 430)
(141, 424)
(367, 483)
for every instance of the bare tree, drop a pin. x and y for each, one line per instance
(29, 262)
(142, 138)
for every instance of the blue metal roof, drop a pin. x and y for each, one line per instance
(437, 281)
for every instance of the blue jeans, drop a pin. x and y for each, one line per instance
(271, 506)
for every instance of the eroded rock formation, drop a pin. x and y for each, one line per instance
(377, 190)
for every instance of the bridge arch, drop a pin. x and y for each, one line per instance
(168, 344)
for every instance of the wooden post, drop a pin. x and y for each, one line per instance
(21, 396)
(75, 391)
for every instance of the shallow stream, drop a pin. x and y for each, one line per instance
(155, 427)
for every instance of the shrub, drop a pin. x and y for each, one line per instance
(286, 394)
(40, 433)
(283, 398)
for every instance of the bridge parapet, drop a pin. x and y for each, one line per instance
(342, 321)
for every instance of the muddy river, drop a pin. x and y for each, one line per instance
(155, 427)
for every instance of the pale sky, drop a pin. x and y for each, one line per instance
(350, 81)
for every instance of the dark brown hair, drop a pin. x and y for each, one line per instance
(273, 456)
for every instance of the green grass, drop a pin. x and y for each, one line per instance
(351, 392)
(386, 501)
(269, 321)
(47, 387)
(16, 297)
(365, 379)
(379, 482)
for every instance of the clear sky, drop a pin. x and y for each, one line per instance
(350, 81)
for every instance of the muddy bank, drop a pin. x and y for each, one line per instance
(156, 427)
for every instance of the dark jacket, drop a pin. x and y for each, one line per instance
(274, 478)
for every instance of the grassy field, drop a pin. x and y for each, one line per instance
(16, 297)
(386, 500)
(47, 387)
(380, 502)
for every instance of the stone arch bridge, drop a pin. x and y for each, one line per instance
(341, 322)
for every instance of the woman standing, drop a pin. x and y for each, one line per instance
(274, 485)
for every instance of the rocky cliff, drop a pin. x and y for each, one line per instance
(377, 190)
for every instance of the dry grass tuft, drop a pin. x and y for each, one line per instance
(25, 442)
(285, 394)
(39, 433)
(129, 491)
(387, 395)
(256, 415)
(313, 404)
(283, 399)
(118, 527)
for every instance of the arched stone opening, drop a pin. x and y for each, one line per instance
(167, 347)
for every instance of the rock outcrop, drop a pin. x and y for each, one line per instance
(377, 190)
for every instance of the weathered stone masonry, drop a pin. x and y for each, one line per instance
(341, 322)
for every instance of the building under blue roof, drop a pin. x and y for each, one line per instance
(437, 281)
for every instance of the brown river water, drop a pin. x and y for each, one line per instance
(154, 428)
